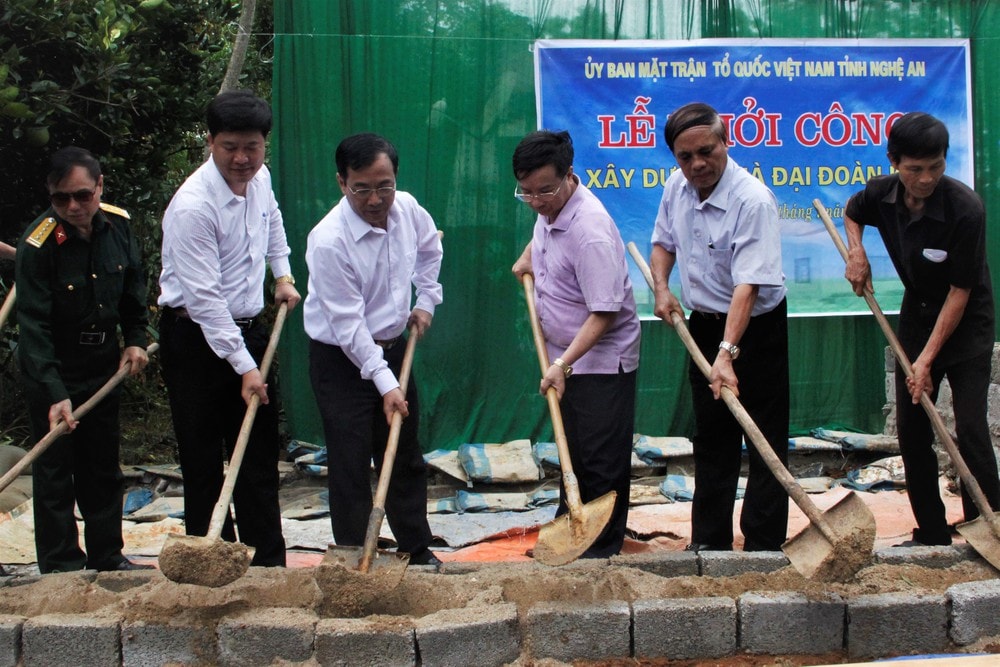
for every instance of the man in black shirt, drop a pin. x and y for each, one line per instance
(934, 228)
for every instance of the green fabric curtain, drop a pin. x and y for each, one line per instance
(452, 85)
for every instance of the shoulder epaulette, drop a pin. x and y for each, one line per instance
(110, 208)
(41, 233)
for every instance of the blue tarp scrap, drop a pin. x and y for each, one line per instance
(882, 475)
(851, 441)
(136, 499)
(512, 461)
(681, 487)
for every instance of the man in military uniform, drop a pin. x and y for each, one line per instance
(79, 278)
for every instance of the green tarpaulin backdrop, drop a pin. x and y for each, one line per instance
(451, 83)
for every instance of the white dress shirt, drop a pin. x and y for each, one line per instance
(361, 280)
(731, 238)
(215, 244)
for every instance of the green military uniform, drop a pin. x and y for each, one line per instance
(72, 296)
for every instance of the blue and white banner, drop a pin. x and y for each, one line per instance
(809, 118)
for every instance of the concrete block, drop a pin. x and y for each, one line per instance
(264, 636)
(10, 639)
(344, 642)
(662, 564)
(774, 623)
(75, 640)
(925, 556)
(684, 628)
(484, 636)
(734, 563)
(896, 624)
(174, 643)
(566, 631)
(975, 610)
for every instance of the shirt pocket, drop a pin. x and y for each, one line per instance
(71, 296)
(721, 265)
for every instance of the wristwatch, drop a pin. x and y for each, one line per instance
(285, 279)
(733, 350)
(566, 368)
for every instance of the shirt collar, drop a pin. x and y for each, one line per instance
(224, 195)
(720, 195)
(358, 226)
(569, 209)
(933, 206)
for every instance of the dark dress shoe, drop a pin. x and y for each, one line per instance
(127, 566)
(425, 557)
(697, 546)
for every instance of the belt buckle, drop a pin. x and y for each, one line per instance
(388, 344)
(244, 323)
(92, 337)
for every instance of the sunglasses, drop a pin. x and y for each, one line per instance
(80, 197)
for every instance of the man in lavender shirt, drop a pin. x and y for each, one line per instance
(588, 316)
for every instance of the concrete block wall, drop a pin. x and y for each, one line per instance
(943, 404)
(763, 623)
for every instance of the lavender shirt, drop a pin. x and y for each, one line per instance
(579, 267)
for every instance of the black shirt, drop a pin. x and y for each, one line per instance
(945, 247)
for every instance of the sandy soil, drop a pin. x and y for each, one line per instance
(330, 591)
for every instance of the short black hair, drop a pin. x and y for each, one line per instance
(542, 148)
(65, 159)
(691, 115)
(361, 150)
(917, 135)
(238, 111)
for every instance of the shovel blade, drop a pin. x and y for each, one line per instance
(388, 566)
(980, 536)
(203, 561)
(565, 538)
(816, 557)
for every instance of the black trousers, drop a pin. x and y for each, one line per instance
(762, 371)
(356, 433)
(207, 411)
(81, 466)
(969, 382)
(598, 412)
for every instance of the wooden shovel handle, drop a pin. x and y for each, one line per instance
(570, 484)
(964, 473)
(236, 460)
(388, 460)
(61, 428)
(746, 422)
(8, 305)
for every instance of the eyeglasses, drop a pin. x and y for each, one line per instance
(365, 193)
(520, 196)
(80, 197)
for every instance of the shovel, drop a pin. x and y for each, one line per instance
(839, 541)
(61, 428)
(208, 560)
(389, 565)
(983, 532)
(565, 538)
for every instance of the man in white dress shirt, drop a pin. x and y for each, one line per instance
(365, 257)
(221, 229)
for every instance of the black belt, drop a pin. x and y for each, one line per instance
(93, 337)
(389, 344)
(244, 323)
(709, 316)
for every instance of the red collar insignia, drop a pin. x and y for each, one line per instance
(60, 235)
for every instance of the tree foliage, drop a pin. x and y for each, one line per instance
(127, 79)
